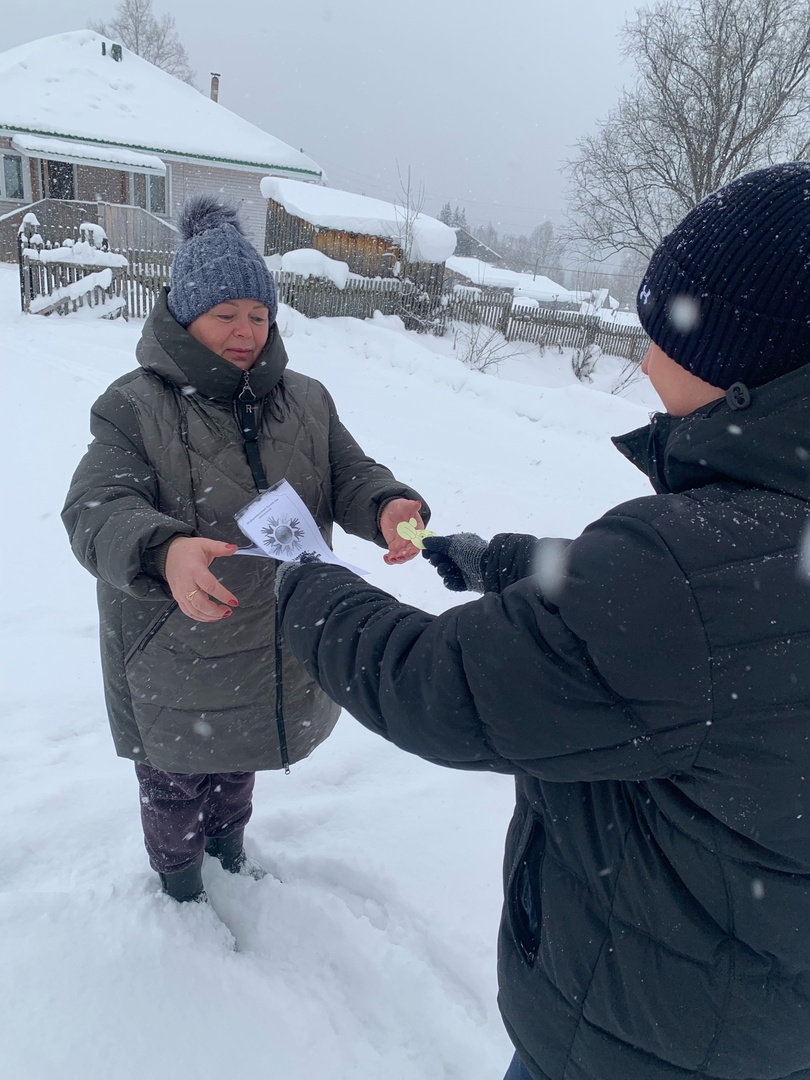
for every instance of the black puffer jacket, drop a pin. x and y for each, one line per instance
(654, 706)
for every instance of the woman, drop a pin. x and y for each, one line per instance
(199, 692)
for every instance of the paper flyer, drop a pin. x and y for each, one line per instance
(282, 528)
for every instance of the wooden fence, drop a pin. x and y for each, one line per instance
(60, 219)
(128, 226)
(139, 283)
(146, 275)
(132, 290)
(359, 299)
(134, 227)
(546, 325)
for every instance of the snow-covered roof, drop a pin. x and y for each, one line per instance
(72, 151)
(328, 208)
(534, 286)
(65, 86)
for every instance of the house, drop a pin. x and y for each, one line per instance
(470, 246)
(85, 121)
(467, 272)
(375, 238)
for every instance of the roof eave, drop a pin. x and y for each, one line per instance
(176, 155)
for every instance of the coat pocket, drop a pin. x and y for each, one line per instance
(152, 628)
(524, 890)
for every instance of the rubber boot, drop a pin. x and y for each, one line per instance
(186, 885)
(231, 853)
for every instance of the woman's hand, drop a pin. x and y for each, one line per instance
(400, 550)
(192, 584)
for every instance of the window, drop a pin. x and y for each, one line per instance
(157, 194)
(11, 178)
(59, 180)
(149, 192)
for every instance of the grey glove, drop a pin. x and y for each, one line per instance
(285, 567)
(459, 559)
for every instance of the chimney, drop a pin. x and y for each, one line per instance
(117, 53)
(215, 86)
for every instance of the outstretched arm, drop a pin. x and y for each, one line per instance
(515, 682)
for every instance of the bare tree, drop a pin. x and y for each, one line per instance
(723, 86)
(136, 26)
(411, 201)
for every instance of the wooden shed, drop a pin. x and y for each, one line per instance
(375, 238)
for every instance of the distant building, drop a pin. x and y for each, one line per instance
(482, 275)
(469, 246)
(375, 238)
(85, 121)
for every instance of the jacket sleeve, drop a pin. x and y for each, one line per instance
(608, 681)
(110, 512)
(512, 557)
(360, 485)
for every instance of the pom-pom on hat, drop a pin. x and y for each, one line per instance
(215, 262)
(727, 292)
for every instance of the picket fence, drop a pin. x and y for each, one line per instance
(547, 325)
(132, 291)
(134, 288)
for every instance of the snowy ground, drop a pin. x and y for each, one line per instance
(375, 958)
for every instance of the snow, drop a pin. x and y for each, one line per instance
(328, 208)
(375, 955)
(525, 302)
(533, 286)
(66, 150)
(27, 219)
(73, 290)
(611, 316)
(63, 86)
(81, 253)
(311, 263)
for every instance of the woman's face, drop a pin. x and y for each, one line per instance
(236, 330)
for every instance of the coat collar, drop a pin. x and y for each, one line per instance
(167, 349)
(764, 444)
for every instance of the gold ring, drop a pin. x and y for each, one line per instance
(192, 594)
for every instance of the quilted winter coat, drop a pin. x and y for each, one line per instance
(168, 458)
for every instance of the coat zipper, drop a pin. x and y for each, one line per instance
(247, 411)
(520, 930)
(150, 632)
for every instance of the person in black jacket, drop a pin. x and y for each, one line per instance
(647, 684)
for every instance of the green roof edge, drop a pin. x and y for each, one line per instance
(155, 150)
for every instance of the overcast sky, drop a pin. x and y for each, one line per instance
(482, 101)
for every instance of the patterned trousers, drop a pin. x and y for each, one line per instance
(178, 811)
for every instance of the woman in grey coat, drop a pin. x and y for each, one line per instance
(199, 692)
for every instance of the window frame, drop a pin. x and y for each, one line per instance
(147, 178)
(57, 161)
(24, 178)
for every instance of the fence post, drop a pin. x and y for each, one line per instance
(505, 313)
(21, 260)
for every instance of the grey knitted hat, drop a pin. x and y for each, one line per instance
(727, 293)
(215, 262)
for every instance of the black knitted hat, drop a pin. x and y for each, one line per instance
(727, 293)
